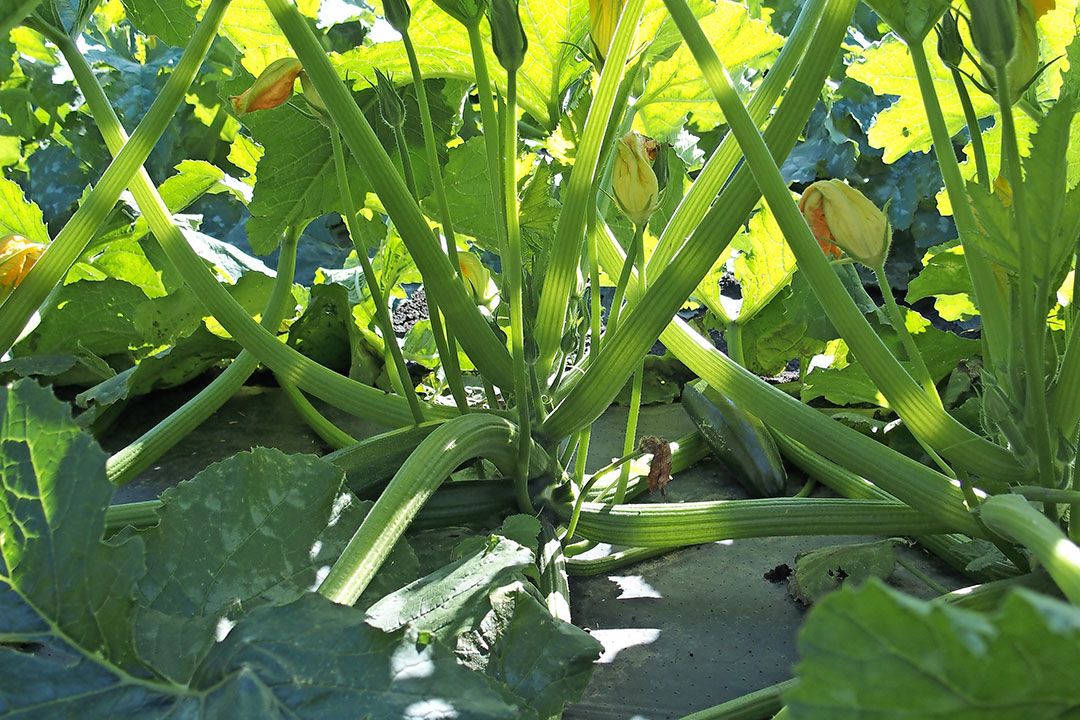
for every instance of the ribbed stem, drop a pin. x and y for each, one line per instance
(721, 164)
(587, 567)
(321, 425)
(1032, 313)
(978, 149)
(692, 523)
(512, 271)
(896, 319)
(989, 294)
(627, 271)
(591, 394)
(757, 705)
(1014, 518)
(455, 442)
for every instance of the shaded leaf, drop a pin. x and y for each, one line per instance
(54, 491)
(873, 652)
(821, 571)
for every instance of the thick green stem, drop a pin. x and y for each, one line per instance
(630, 437)
(896, 319)
(398, 372)
(566, 248)
(923, 416)
(512, 271)
(1032, 318)
(590, 395)
(587, 567)
(72, 240)
(978, 149)
(471, 328)
(760, 704)
(321, 425)
(489, 116)
(443, 451)
(407, 173)
(692, 523)
(128, 462)
(632, 252)
(989, 294)
(451, 366)
(956, 550)
(1014, 518)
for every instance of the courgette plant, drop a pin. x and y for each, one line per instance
(242, 592)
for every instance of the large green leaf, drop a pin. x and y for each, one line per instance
(112, 319)
(910, 19)
(252, 29)
(544, 660)
(764, 264)
(455, 597)
(940, 350)
(875, 653)
(297, 182)
(903, 127)
(66, 597)
(172, 21)
(53, 493)
(239, 532)
(945, 277)
(19, 216)
(676, 88)
(321, 660)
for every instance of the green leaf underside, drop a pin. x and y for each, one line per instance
(873, 652)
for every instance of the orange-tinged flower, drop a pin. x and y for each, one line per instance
(17, 256)
(272, 88)
(843, 219)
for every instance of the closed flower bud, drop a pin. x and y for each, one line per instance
(391, 106)
(477, 279)
(466, 12)
(397, 14)
(507, 35)
(950, 45)
(994, 30)
(311, 94)
(603, 17)
(272, 88)
(633, 179)
(1024, 65)
(17, 256)
(842, 218)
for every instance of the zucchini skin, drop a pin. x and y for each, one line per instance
(738, 440)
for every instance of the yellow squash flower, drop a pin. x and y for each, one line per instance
(272, 88)
(17, 256)
(842, 218)
(633, 179)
